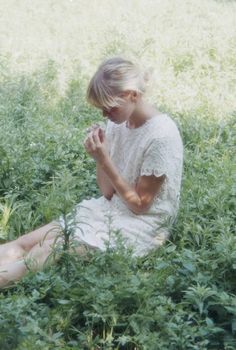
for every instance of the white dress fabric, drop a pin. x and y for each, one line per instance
(153, 148)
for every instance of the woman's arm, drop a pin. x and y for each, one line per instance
(104, 183)
(137, 199)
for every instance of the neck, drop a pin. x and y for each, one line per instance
(141, 114)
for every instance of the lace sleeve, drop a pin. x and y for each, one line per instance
(158, 157)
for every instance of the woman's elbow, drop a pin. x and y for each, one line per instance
(108, 196)
(141, 209)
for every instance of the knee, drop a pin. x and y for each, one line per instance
(41, 255)
(15, 249)
(20, 243)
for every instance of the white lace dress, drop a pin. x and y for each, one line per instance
(153, 148)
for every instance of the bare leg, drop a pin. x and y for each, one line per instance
(49, 231)
(11, 272)
(10, 252)
(35, 260)
(14, 250)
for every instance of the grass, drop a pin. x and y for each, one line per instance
(181, 296)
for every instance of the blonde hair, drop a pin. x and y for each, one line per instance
(113, 77)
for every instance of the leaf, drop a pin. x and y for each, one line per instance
(63, 302)
(171, 248)
(189, 266)
(170, 281)
(209, 322)
(233, 325)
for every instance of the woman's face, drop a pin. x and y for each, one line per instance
(122, 113)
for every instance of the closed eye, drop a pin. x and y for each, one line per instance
(112, 109)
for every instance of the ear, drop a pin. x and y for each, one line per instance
(134, 96)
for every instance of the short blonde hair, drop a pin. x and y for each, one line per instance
(113, 77)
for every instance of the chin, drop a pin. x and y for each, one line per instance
(116, 121)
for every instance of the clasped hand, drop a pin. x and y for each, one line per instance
(95, 144)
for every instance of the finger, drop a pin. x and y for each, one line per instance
(90, 147)
(92, 127)
(101, 134)
(87, 142)
(95, 137)
(88, 137)
(96, 125)
(87, 145)
(89, 129)
(91, 141)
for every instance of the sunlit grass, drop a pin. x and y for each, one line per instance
(191, 45)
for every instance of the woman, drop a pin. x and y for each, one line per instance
(139, 160)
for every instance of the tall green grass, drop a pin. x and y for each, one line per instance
(181, 296)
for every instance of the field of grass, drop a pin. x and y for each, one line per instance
(183, 295)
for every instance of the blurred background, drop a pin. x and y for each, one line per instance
(190, 45)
